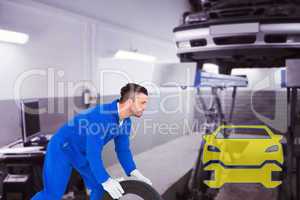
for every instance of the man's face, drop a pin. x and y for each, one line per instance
(139, 104)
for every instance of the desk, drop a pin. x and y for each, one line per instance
(33, 158)
(19, 163)
(33, 162)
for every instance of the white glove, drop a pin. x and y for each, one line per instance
(113, 188)
(137, 174)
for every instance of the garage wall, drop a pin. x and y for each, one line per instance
(68, 42)
(267, 79)
(64, 50)
(71, 44)
(251, 108)
(56, 44)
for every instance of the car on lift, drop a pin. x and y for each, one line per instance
(243, 154)
(240, 34)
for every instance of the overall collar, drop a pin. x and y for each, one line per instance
(115, 111)
(120, 122)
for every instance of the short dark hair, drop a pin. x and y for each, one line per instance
(130, 89)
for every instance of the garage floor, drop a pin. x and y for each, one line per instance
(165, 164)
(165, 168)
(246, 192)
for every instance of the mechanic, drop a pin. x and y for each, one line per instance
(79, 142)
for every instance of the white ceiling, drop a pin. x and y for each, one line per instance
(156, 18)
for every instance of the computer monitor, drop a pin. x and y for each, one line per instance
(30, 119)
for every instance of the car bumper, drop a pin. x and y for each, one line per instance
(233, 37)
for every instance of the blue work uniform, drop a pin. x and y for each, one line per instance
(78, 144)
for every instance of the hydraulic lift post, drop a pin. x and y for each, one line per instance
(216, 83)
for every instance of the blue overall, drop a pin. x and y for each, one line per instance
(78, 144)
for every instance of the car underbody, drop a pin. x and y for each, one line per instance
(235, 34)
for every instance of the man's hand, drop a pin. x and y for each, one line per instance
(136, 173)
(113, 188)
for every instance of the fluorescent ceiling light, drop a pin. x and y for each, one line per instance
(129, 55)
(13, 37)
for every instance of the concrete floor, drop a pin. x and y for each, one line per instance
(246, 192)
(168, 163)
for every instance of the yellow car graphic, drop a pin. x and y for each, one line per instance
(243, 154)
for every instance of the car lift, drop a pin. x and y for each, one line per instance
(292, 84)
(217, 82)
(214, 116)
(290, 149)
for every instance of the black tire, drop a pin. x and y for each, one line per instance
(138, 188)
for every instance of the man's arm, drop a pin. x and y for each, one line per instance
(122, 148)
(94, 146)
